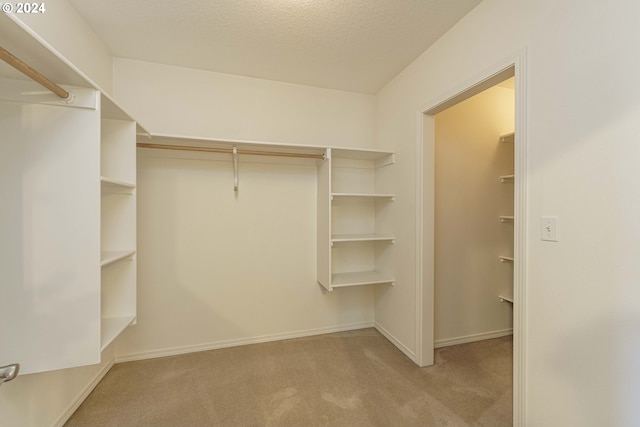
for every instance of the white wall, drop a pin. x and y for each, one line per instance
(175, 100)
(215, 268)
(468, 200)
(583, 105)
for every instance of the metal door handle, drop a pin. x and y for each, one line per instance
(9, 372)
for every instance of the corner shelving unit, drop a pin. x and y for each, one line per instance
(353, 247)
(118, 224)
(507, 179)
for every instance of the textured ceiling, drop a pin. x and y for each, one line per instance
(353, 45)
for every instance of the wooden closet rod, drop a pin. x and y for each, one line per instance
(229, 151)
(25, 69)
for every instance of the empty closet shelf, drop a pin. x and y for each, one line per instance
(505, 299)
(506, 218)
(339, 280)
(338, 238)
(111, 327)
(506, 178)
(110, 185)
(110, 257)
(363, 195)
(509, 137)
(505, 259)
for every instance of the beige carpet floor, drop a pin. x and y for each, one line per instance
(352, 378)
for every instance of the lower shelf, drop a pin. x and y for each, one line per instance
(505, 299)
(112, 327)
(340, 280)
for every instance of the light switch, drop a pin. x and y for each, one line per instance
(549, 228)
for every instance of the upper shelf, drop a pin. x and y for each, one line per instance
(379, 157)
(215, 143)
(506, 178)
(508, 137)
(29, 47)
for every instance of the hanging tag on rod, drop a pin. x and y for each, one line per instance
(235, 168)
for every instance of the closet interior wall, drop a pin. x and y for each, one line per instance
(217, 267)
(469, 236)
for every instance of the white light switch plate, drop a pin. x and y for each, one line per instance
(549, 228)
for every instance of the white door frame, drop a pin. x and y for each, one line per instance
(425, 141)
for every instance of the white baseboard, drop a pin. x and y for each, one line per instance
(174, 351)
(388, 335)
(472, 338)
(64, 417)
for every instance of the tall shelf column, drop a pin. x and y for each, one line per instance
(117, 226)
(507, 258)
(353, 249)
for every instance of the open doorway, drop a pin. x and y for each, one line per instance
(426, 223)
(473, 221)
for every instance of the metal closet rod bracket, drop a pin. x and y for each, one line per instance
(9, 372)
(235, 168)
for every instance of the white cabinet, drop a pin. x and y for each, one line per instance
(353, 248)
(67, 185)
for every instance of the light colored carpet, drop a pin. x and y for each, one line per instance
(352, 378)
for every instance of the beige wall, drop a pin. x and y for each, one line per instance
(175, 100)
(581, 128)
(468, 236)
(216, 268)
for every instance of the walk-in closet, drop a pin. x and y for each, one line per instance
(474, 212)
(319, 212)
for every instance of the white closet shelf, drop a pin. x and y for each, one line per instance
(505, 299)
(508, 137)
(338, 238)
(110, 257)
(506, 178)
(359, 154)
(263, 146)
(111, 327)
(506, 218)
(340, 280)
(363, 195)
(505, 259)
(114, 186)
(380, 158)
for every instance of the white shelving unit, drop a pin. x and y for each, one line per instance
(69, 206)
(118, 225)
(353, 249)
(353, 246)
(507, 179)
